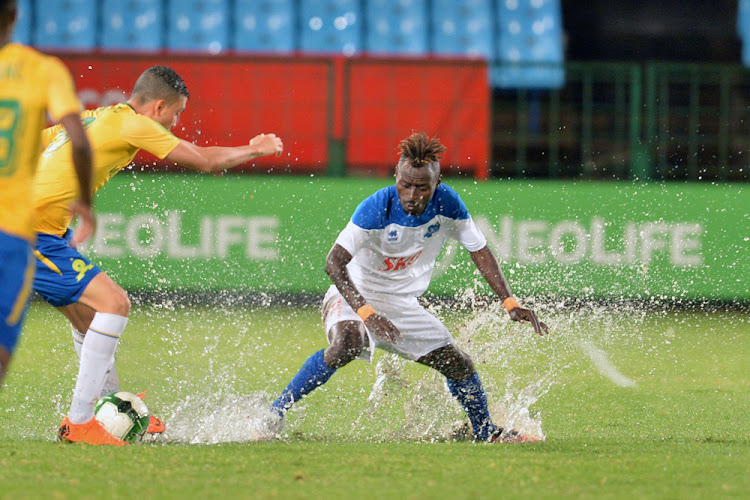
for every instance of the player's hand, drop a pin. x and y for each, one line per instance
(522, 315)
(86, 223)
(382, 328)
(267, 144)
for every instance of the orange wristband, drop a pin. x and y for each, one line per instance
(510, 303)
(365, 312)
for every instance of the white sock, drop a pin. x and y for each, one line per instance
(78, 339)
(112, 383)
(97, 355)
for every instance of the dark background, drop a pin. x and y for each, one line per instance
(665, 30)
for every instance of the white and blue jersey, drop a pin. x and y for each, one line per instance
(394, 252)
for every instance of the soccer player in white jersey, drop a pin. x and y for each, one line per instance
(381, 262)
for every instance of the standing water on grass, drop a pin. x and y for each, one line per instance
(397, 399)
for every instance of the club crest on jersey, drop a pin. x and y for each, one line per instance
(432, 230)
(398, 263)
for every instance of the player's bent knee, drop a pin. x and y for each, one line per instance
(117, 302)
(461, 367)
(450, 361)
(347, 343)
(105, 296)
(120, 303)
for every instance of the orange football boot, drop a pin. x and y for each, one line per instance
(91, 432)
(513, 436)
(155, 426)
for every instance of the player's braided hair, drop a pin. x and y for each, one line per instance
(160, 82)
(419, 150)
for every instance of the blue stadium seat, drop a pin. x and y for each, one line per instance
(530, 50)
(22, 30)
(743, 19)
(198, 25)
(396, 26)
(331, 26)
(65, 24)
(132, 24)
(743, 29)
(463, 28)
(264, 25)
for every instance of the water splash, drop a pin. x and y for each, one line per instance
(407, 402)
(602, 363)
(221, 367)
(221, 418)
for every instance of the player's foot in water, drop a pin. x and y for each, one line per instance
(512, 436)
(155, 425)
(273, 422)
(91, 432)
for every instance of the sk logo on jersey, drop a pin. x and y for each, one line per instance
(399, 263)
(432, 230)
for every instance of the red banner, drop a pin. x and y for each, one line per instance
(368, 105)
(391, 98)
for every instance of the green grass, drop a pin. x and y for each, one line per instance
(683, 431)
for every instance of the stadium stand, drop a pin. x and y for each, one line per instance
(396, 27)
(331, 26)
(264, 25)
(463, 28)
(66, 24)
(530, 50)
(198, 25)
(132, 24)
(521, 39)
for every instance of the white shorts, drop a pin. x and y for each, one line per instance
(421, 332)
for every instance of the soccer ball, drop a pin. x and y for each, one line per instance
(124, 415)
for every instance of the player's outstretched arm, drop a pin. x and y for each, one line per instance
(82, 162)
(378, 325)
(485, 261)
(217, 158)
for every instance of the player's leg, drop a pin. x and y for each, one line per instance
(346, 343)
(80, 317)
(97, 355)
(425, 339)
(65, 277)
(16, 276)
(346, 340)
(464, 384)
(112, 308)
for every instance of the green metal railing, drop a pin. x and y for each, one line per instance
(628, 121)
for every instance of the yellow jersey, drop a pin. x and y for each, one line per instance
(30, 84)
(116, 133)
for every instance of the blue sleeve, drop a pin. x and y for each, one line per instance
(450, 203)
(370, 214)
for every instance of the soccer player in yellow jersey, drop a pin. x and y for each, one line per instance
(95, 305)
(30, 84)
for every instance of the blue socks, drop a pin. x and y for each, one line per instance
(469, 393)
(314, 372)
(472, 397)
